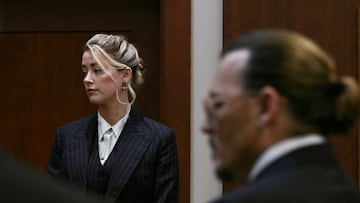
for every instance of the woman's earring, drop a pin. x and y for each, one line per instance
(260, 124)
(124, 86)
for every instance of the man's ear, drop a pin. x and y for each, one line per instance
(270, 104)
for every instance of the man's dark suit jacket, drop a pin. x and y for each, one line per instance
(143, 166)
(311, 174)
(21, 183)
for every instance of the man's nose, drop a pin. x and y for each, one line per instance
(208, 124)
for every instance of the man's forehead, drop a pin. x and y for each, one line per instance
(231, 66)
(235, 59)
(226, 80)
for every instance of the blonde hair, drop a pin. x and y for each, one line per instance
(115, 51)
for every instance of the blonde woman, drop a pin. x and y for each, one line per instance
(116, 153)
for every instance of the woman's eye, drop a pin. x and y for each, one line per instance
(84, 72)
(97, 71)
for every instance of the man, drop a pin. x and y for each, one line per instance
(274, 100)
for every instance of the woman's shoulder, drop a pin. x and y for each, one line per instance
(149, 125)
(147, 122)
(158, 131)
(156, 124)
(79, 123)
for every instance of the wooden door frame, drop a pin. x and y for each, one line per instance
(175, 79)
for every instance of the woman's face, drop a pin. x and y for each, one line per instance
(99, 86)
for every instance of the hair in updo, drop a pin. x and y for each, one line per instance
(115, 51)
(304, 74)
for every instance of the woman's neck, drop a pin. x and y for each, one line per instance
(113, 113)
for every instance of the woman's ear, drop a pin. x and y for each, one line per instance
(270, 104)
(127, 73)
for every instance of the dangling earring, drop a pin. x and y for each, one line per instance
(124, 86)
(260, 124)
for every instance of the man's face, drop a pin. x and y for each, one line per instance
(231, 117)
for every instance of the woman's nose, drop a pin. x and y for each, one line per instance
(87, 77)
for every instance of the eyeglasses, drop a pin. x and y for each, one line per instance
(212, 106)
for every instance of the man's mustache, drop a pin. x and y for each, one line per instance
(212, 144)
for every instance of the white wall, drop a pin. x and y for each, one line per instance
(206, 43)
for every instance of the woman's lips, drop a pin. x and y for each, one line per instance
(90, 91)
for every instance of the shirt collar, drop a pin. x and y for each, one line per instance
(103, 125)
(280, 149)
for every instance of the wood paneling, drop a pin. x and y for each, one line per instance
(331, 23)
(358, 76)
(40, 52)
(42, 89)
(52, 45)
(175, 81)
(139, 19)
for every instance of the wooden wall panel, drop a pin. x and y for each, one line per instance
(331, 23)
(358, 76)
(138, 18)
(43, 81)
(175, 81)
(40, 50)
(142, 26)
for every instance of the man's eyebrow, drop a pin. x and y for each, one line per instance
(213, 94)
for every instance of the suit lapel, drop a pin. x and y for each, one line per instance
(128, 151)
(82, 144)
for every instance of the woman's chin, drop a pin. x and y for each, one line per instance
(95, 101)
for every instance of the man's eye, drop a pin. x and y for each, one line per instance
(218, 104)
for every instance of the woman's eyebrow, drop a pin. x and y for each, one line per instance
(91, 65)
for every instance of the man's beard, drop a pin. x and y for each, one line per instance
(222, 174)
(225, 175)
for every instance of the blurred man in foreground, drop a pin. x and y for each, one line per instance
(273, 103)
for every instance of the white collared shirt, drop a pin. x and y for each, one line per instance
(105, 129)
(282, 148)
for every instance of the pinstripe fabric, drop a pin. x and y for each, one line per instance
(98, 174)
(143, 166)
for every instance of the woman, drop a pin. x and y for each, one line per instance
(116, 152)
(272, 105)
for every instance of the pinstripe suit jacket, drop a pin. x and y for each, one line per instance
(144, 163)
